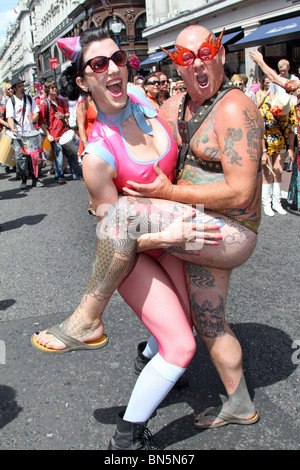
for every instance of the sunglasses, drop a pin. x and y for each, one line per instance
(163, 82)
(207, 51)
(156, 82)
(238, 84)
(101, 63)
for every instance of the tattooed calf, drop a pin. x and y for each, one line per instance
(209, 320)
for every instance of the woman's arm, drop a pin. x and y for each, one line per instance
(99, 179)
(81, 118)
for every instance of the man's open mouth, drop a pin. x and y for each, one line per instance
(202, 79)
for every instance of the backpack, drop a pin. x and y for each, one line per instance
(50, 105)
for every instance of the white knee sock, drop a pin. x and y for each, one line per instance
(154, 383)
(151, 348)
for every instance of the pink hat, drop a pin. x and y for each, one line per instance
(70, 47)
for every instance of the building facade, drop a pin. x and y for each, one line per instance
(144, 26)
(240, 18)
(31, 41)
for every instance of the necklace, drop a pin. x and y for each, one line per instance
(151, 97)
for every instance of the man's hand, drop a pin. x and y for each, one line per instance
(257, 57)
(161, 188)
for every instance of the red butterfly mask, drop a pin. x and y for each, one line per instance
(207, 51)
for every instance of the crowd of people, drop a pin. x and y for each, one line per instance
(151, 157)
(278, 110)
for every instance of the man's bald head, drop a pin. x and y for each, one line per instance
(193, 30)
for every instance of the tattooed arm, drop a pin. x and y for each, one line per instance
(98, 176)
(236, 131)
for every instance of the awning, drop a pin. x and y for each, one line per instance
(271, 33)
(155, 58)
(160, 55)
(228, 37)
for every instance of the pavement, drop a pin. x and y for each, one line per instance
(70, 402)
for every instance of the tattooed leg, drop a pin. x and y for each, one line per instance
(208, 292)
(114, 258)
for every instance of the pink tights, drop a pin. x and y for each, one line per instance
(161, 302)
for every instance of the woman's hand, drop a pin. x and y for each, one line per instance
(161, 188)
(182, 232)
(185, 230)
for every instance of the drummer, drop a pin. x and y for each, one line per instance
(53, 121)
(21, 113)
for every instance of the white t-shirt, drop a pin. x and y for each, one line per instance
(16, 112)
(274, 88)
(72, 105)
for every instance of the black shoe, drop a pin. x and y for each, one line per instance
(140, 362)
(131, 436)
(37, 184)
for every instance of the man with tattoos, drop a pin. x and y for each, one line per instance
(219, 167)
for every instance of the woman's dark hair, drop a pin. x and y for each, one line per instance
(262, 81)
(68, 85)
(149, 76)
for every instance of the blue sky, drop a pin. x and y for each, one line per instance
(7, 15)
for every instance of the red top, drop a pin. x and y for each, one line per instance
(55, 126)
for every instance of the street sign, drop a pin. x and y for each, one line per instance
(53, 63)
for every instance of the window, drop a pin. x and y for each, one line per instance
(140, 25)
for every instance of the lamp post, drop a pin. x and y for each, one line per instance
(116, 29)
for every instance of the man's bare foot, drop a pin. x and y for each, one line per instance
(218, 416)
(76, 327)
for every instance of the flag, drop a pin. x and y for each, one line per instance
(16, 11)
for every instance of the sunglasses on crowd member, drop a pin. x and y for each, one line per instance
(100, 64)
(154, 82)
(238, 84)
(163, 82)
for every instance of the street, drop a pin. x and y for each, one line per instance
(70, 401)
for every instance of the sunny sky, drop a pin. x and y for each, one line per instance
(7, 15)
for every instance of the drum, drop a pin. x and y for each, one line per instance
(48, 152)
(31, 141)
(70, 141)
(6, 150)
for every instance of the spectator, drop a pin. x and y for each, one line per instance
(21, 112)
(138, 81)
(53, 121)
(279, 119)
(284, 71)
(164, 93)
(152, 88)
(262, 95)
